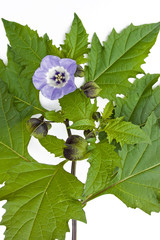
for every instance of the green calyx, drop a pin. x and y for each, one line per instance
(79, 71)
(89, 134)
(91, 89)
(75, 148)
(37, 127)
(96, 116)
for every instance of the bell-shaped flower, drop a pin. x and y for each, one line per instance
(55, 77)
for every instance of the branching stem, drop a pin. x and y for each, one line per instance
(73, 171)
(68, 129)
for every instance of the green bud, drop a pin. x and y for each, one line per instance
(76, 148)
(48, 125)
(32, 124)
(91, 89)
(96, 116)
(41, 131)
(79, 72)
(37, 127)
(88, 134)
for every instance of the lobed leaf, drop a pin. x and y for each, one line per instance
(120, 58)
(140, 101)
(125, 132)
(40, 201)
(76, 42)
(138, 183)
(27, 45)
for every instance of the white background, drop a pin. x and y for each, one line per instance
(107, 216)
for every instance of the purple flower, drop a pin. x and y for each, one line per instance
(55, 77)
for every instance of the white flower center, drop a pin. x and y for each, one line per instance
(57, 77)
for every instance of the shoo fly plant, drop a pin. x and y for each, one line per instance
(121, 142)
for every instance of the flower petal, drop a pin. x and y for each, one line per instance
(69, 87)
(38, 84)
(57, 93)
(39, 78)
(51, 92)
(40, 73)
(71, 79)
(49, 61)
(47, 91)
(69, 64)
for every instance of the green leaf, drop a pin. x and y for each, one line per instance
(2, 67)
(76, 106)
(84, 124)
(76, 42)
(108, 109)
(14, 138)
(125, 132)
(52, 49)
(54, 116)
(138, 182)
(41, 199)
(103, 160)
(27, 45)
(120, 58)
(140, 101)
(26, 97)
(53, 145)
(102, 136)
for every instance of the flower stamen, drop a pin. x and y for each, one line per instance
(59, 77)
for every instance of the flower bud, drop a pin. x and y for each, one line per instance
(91, 89)
(88, 134)
(96, 116)
(41, 131)
(76, 148)
(37, 127)
(48, 125)
(79, 72)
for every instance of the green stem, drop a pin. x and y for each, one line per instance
(66, 122)
(73, 171)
